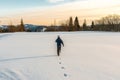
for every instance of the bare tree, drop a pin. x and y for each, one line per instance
(109, 23)
(64, 25)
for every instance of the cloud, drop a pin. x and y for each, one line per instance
(55, 1)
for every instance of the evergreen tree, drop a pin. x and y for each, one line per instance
(92, 25)
(76, 24)
(84, 25)
(22, 25)
(71, 24)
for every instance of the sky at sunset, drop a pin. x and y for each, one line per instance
(45, 12)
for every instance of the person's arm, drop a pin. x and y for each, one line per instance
(62, 42)
(56, 40)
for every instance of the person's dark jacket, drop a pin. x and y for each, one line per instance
(59, 42)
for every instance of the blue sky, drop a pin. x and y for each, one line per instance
(9, 7)
(5, 4)
(13, 4)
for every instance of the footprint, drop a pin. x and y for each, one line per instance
(62, 67)
(65, 75)
(59, 58)
(59, 62)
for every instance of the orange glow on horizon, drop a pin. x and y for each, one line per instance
(89, 10)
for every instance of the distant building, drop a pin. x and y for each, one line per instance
(4, 28)
(34, 28)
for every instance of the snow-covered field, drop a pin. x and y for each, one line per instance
(86, 56)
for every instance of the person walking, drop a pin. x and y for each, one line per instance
(59, 42)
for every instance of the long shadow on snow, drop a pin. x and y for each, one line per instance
(22, 58)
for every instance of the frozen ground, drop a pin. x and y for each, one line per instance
(86, 56)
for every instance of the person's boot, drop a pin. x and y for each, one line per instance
(58, 53)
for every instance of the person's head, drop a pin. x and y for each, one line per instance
(58, 36)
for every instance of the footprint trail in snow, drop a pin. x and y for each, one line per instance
(62, 66)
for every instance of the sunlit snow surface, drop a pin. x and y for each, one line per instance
(85, 56)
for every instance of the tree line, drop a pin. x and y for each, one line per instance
(107, 23)
(13, 28)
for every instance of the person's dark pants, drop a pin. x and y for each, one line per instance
(58, 50)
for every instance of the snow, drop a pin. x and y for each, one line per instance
(85, 56)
